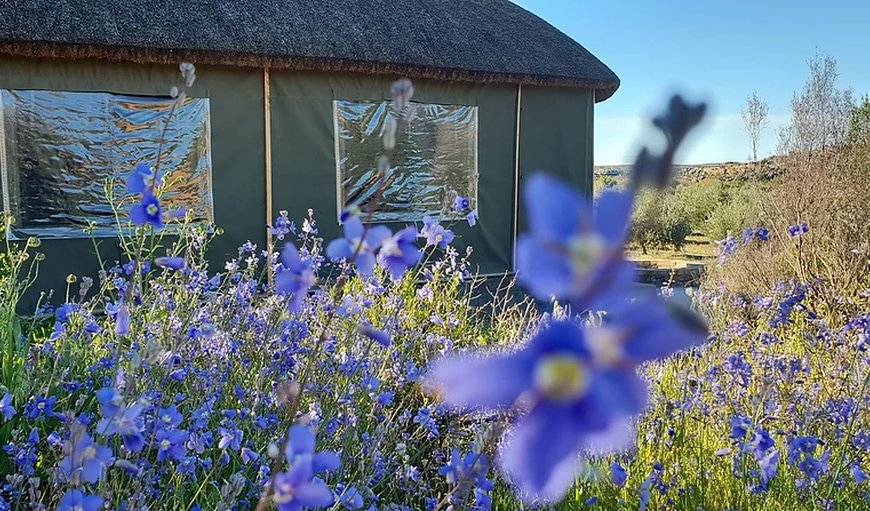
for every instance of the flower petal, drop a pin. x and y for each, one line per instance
(314, 494)
(301, 441)
(612, 216)
(325, 461)
(467, 382)
(539, 454)
(290, 256)
(543, 272)
(339, 249)
(554, 208)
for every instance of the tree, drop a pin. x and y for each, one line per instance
(821, 114)
(859, 132)
(754, 120)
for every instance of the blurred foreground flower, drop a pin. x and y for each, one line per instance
(574, 404)
(573, 251)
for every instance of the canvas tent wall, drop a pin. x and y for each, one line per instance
(519, 118)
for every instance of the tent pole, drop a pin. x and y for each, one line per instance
(517, 176)
(267, 119)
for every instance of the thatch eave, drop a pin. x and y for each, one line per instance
(29, 49)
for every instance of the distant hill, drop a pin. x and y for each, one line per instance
(765, 169)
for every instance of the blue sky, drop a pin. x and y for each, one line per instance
(717, 51)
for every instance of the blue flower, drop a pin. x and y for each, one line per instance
(170, 444)
(574, 404)
(769, 464)
(572, 250)
(75, 500)
(296, 278)
(379, 336)
(461, 204)
(142, 179)
(359, 244)
(42, 408)
(858, 475)
(172, 263)
(618, 475)
(643, 329)
(351, 498)
(6, 408)
(282, 225)
(231, 438)
(399, 252)
(297, 488)
(726, 248)
(84, 460)
(796, 231)
(148, 211)
(739, 427)
(435, 234)
(122, 321)
(169, 417)
(119, 419)
(471, 218)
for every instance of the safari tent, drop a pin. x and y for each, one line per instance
(285, 113)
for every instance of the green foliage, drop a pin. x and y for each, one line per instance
(741, 207)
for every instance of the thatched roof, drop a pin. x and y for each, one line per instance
(469, 40)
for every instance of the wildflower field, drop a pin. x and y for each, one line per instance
(376, 372)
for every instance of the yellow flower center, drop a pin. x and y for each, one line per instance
(152, 209)
(165, 444)
(561, 377)
(90, 453)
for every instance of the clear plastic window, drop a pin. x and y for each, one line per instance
(435, 159)
(58, 151)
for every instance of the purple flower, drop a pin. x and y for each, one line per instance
(170, 444)
(148, 211)
(618, 475)
(572, 250)
(84, 460)
(296, 278)
(762, 234)
(461, 204)
(399, 252)
(435, 233)
(574, 404)
(75, 500)
(358, 245)
(796, 231)
(6, 408)
(297, 488)
(172, 263)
